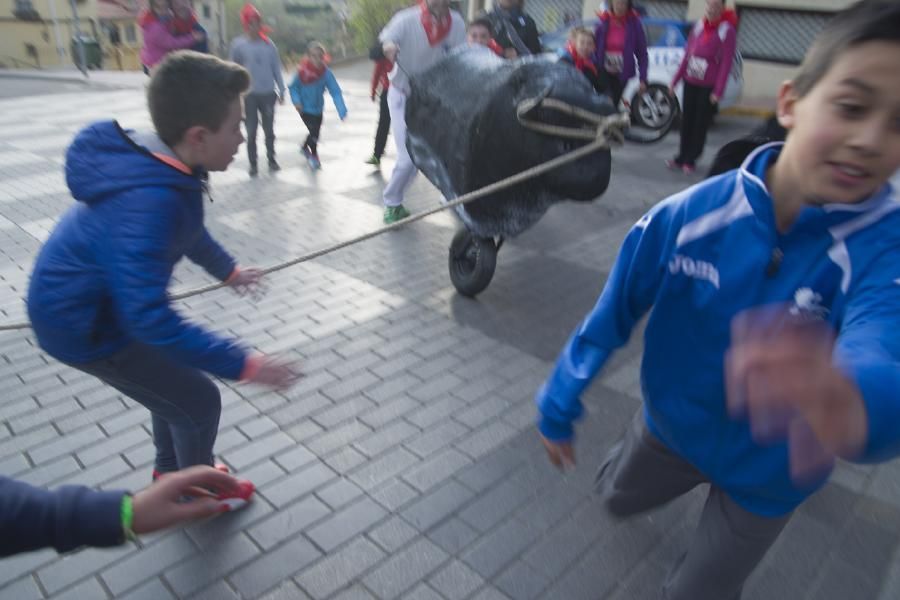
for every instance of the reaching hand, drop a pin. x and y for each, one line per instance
(780, 374)
(561, 454)
(161, 505)
(713, 99)
(249, 281)
(275, 372)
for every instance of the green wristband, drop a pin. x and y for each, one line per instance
(128, 517)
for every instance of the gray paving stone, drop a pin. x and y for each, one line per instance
(346, 524)
(95, 414)
(152, 590)
(147, 563)
(436, 438)
(495, 505)
(43, 475)
(499, 547)
(113, 445)
(276, 565)
(42, 416)
(437, 505)
(298, 484)
(340, 568)
(485, 472)
(288, 590)
(355, 364)
(240, 411)
(262, 473)
(404, 569)
(97, 474)
(299, 409)
(216, 562)
(456, 581)
(436, 387)
(74, 567)
(210, 533)
(436, 469)
(436, 411)
(394, 494)
(422, 592)
(345, 460)
(258, 450)
(357, 592)
(383, 468)
(338, 437)
(13, 465)
(389, 411)
(217, 591)
(490, 594)
(87, 590)
(350, 386)
(453, 535)
(65, 445)
(288, 521)
(486, 439)
(393, 534)
(126, 420)
(295, 458)
(304, 430)
(14, 567)
(389, 389)
(386, 437)
(339, 493)
(23, 589)
(21, 443)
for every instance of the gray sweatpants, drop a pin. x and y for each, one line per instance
(641, 473)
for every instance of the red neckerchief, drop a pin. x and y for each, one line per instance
(495, 47)
(183, 26)
(580, 63)
(146, 17)
(710, 27)
(436, 29)
(308, 72)
(250, 12)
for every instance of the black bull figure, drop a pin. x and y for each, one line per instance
(464, 132)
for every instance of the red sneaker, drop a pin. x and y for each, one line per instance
(237, 499)
(688, 169)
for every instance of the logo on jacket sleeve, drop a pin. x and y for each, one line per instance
(808, 304)
(696, 269)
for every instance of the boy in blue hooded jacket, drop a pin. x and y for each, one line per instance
(307, 89)
(97, 298)
(771, 347)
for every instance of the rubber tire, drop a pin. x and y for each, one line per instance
(471, 261)
(638, 120)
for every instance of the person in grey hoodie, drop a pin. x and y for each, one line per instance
(257, 53)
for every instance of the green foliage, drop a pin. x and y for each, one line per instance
(368, 18)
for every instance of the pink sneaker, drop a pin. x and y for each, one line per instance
(688, 169)
(673, 165)
(237, 499)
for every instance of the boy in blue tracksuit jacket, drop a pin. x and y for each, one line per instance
(97, 297)
(307, 89)
(808, 229)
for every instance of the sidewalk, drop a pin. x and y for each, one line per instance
(405, 463)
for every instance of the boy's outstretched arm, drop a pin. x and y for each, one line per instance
(628, 294)
(138, 268)
(210, 255)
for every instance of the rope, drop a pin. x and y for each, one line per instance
(608, 128)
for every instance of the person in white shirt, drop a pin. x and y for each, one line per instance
(415, 39)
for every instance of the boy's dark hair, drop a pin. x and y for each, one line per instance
(482, 22)
(189, 89)
(865, 21)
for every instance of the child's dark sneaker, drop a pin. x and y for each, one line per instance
(274, 166)
(237, 499)
(314, 162)
(374, 161)
(253, 170)
(392, 214)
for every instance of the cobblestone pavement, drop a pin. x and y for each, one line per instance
(404, 465)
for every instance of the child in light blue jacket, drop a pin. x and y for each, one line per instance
(308, 95)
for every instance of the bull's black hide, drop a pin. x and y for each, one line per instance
(463, 134)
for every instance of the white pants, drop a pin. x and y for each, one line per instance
(404, 171)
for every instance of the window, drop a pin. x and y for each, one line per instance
(207, 11)
(665, 9)
(775, 35)
(130, 33)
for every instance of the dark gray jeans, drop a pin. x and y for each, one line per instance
(641, 473)
(184, 403)
(256, 106)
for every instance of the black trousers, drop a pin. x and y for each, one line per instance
(256, 106)
(314, 126)
(696, 115)
(384, 125)
(614, 86)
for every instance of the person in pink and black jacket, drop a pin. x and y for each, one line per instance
(704, 69)
(620, 39)
(159, 39)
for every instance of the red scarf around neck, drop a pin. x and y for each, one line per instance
(436, 29)
(183, 26)
(308, 72)
(581, 63)
(710, 27)
(607, 15)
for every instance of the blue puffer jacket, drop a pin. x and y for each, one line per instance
(312, 95)
(99, 282)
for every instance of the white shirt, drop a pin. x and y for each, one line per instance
(415, 54)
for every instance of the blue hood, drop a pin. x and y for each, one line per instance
(105, 159)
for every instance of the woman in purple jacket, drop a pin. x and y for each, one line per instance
(704, 68)
(620, 38)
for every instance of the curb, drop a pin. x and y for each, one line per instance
(49, 76)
